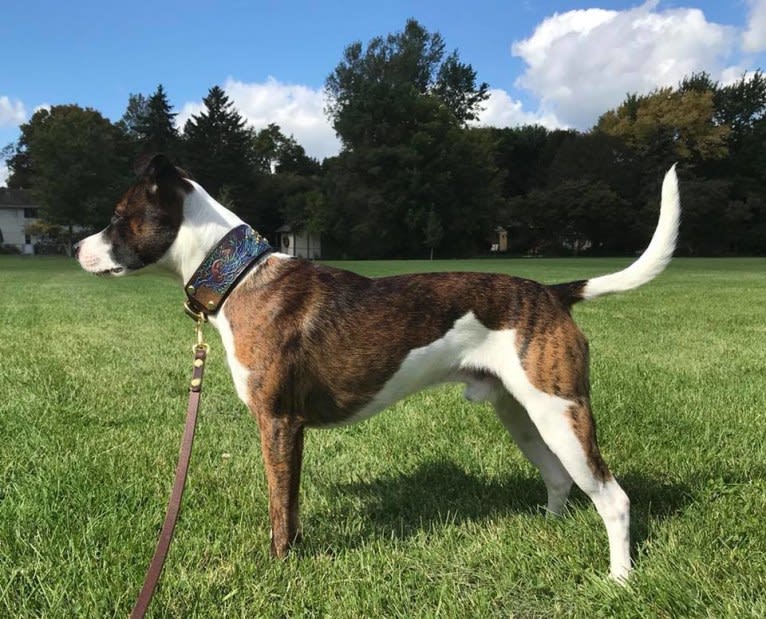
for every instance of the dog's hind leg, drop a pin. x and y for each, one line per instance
(516, 420)
(552, 386)
(569, 432)
(282, 447)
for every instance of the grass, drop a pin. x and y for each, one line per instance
(427, 510)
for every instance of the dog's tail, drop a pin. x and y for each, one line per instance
(648, 266)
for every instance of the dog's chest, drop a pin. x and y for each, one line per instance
(239, 373)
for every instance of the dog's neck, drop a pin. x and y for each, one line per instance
(205, 223)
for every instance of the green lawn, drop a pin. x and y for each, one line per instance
(427, 510)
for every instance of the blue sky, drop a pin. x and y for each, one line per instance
(553, 62)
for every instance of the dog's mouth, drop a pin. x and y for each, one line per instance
(110, 272)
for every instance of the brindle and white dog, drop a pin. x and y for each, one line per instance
(313, 346)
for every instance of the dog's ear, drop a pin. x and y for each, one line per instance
(159, 172)
(154, 166)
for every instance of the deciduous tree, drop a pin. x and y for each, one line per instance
(76, 161)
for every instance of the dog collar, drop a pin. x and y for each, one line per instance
(222, 268)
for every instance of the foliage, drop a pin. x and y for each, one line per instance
(433, 231)
(135, 112)
(399, 107)
(218, 147)
(375, 92)
(668, 125)
(75, 162)
(155, 125)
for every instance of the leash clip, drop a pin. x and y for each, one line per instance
(198, 316)
(199, 319)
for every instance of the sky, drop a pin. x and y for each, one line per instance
(550, 62)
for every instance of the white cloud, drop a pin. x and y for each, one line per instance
(733, 74)
(188, 109)
(583, 63)
(501, 110)
(3, 174)
(297, 109)
(12, 112)
(754, 38)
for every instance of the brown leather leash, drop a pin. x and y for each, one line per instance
(174, 504)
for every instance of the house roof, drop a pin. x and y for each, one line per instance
(15, 197)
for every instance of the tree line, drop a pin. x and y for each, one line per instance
(415, 178)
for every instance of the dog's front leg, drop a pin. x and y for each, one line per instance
(282, 446)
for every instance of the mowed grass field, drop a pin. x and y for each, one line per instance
(427, 510)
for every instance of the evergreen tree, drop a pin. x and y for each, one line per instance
(218, 147)
(154, 124)
(133, 116)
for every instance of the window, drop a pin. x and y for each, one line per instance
(1, 237)
(30, 213)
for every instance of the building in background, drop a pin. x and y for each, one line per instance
(17, 211)
(302, 244)
(499, 242)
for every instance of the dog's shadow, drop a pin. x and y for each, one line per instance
(437, 493)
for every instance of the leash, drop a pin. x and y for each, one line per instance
(174, 504)
(239, 250)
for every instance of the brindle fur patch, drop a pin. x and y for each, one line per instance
(337, 337)
(584, 426)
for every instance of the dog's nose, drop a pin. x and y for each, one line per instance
(76, 249)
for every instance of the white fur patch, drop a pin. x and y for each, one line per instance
(239, 373)
(656, 256)
(438, 362)
(94, 256)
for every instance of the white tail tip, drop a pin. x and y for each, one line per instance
(656, 256)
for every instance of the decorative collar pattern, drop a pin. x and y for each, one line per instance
(222, 268)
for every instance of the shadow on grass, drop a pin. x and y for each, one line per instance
(653, 501)
(440, 493)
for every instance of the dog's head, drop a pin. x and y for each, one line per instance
(144, 224)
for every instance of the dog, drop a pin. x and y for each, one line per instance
(310, 346)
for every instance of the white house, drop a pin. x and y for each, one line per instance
(16, 212)
(301, 244)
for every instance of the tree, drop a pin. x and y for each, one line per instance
(742, 104)
(523, 154)
(666, 126)
(75, 161)
(277, 153)
(433, 231)
(134, 114)
(400, 107)
(155, 125)
(372, 90)
(218, 147)
(571, 217)
(19, 165)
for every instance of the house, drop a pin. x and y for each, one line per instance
(302, 244)
(17, 211)
(499, 241)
